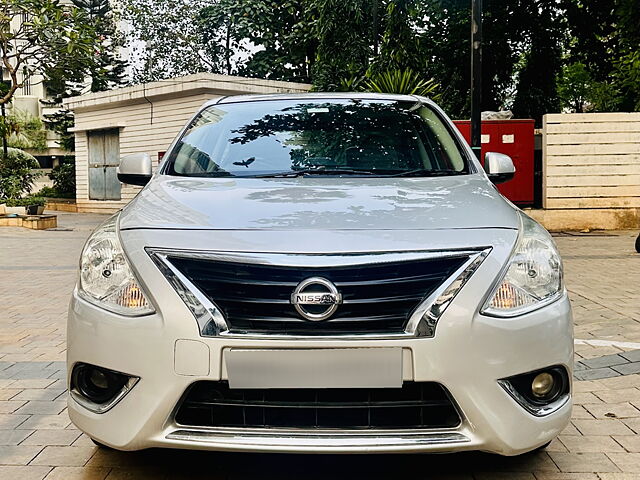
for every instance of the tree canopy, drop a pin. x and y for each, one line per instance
(532, 50)
(39, 35)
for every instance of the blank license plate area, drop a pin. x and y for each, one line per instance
(314, 368)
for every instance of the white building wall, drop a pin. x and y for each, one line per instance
(148, 118)
(137, 135)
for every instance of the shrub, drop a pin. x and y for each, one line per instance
(10, 187)
(64, 180)
(16, 173)
(402, 81)
(25, 202)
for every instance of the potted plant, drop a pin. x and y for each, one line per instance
(35, 205)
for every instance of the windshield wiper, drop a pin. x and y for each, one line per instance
(315, 171)
(422, 172)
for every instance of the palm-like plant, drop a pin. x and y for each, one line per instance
(403, 82)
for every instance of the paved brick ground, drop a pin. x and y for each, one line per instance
(37, 273)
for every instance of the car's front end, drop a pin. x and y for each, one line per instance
(315, 314)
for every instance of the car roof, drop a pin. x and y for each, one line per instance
(315, 96)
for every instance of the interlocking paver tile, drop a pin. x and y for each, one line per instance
(83, 441)
(579, 411)
(627, 368)
(48, 394)
(52, 437)
(626, 381)
(619, 395)
(8, 421)
(43, 407)
(32, 373)
(580, 398)
(619, 476)
(605, 361)
(631, 443)
(633, 356)
(567, 476)
(613, 410)
(504, 476)
(23, 473)
(594, 443)
(602, 427)
(17, 454)
(13, 437)
(10, 406)
(596, 373)
(9, 393)
(64, 456)
(46, 422)
(78, 473)
(32, 383)
(583, 462)
(627, 462)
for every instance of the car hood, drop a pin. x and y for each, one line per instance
(325, 203)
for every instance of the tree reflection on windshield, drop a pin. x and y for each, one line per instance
(258, 138)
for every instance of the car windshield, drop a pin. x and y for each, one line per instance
(317, 137)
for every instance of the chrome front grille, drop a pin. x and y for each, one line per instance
(377, 298)
(382, 294)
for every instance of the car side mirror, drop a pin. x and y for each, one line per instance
(499, 167)
(135, 169)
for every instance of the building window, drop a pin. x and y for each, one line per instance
(26, 85)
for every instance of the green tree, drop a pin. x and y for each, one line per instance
(259, 38)
(445, 44)
(102, 70)
(400, 47)
(106, 70)
(536, 90)
(37, 36)
(579, 92)
(574, 87)
(17, 174)
(25, 131)
(342, 30)
(605, 37)
(51, 36)
(166, 39)
(627, 66)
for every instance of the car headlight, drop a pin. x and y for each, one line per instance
(106, 279)
(532, 279)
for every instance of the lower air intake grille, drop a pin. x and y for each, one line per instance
(414, 406)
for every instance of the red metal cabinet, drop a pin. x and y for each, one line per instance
(516, 139)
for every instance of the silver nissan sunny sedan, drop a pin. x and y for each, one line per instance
(320, 273)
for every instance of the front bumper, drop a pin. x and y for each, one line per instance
(467, 356)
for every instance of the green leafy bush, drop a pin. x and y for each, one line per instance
(64, 180)
(25, 202)
(16, 173)
(10, 187)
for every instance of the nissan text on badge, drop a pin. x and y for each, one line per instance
(320, 273)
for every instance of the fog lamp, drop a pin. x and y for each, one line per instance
(540, 392)
(98, 388)
(542, 384)
(98, 379)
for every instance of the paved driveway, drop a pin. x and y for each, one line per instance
(37, 273)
